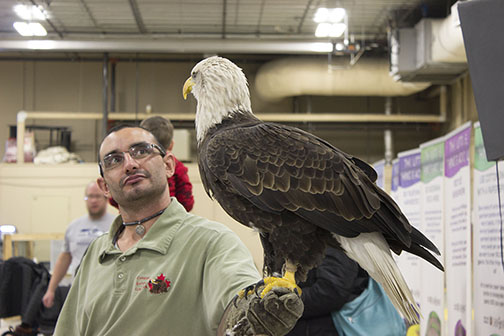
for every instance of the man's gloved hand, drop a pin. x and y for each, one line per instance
(274, 315)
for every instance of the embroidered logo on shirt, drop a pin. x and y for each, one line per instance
(159, 285)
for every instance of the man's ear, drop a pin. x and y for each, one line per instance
(103, 186)
(169, 161)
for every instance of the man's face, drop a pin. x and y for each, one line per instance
(134, 179)
(96, 201)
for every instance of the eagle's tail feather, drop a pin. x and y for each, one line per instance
(372, 253)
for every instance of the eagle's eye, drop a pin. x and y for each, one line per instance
(194, 75)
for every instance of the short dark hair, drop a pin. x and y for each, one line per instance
(119, 127)
(161, 128)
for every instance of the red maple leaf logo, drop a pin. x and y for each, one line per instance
(160, 284)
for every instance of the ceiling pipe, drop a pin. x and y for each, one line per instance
(311, 76)
(173, 45)
(447, 40)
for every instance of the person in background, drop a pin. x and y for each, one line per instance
(160, 269)
(179, 183)
(79, 234)
(336, 281)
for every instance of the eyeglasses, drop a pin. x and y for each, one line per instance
(138, 151)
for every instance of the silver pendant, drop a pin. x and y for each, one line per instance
(140, 230)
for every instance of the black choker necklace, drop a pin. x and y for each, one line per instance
(140, 229)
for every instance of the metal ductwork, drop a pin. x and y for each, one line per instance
(433, 51)
(302, 76)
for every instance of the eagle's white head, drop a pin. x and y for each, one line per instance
(221, 89)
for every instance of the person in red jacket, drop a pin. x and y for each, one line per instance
(180, 186)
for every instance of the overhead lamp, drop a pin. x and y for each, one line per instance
(30, 13)
(330, 15)
(332, 22)
(30, 29)
(330, 29)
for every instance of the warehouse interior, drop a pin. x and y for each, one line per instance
(396, 78)
(150, 48)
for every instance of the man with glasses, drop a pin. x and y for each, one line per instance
(79, 234)
(161, 270)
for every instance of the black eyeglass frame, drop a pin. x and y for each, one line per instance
(162, 152)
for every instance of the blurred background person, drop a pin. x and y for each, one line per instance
(79, 234)
(336, 281)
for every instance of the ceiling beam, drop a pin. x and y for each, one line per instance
(261, 11)
(88, 11)
(137, 16)
(56, 30)
(224, 17)
(303, 18)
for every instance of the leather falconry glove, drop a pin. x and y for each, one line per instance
(274, 315)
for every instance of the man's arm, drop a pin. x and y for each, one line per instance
(60, 269)
(274, 315)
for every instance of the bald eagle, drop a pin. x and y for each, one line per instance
(301, 193)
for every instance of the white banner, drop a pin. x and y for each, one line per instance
(488, 268)
(432, 280)
(410, 202)
(458, 231)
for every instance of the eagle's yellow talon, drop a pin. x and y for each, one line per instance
(241, 293)
(287, 281)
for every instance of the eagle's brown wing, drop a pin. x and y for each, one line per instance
(281, 169)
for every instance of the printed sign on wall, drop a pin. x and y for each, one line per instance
(410, 201)
(488, 270)
(458, 232)
(432, 279)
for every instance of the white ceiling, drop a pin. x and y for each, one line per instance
(219, 22)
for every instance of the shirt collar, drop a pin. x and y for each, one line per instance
(159, 236)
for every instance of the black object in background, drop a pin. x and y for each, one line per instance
(482, 23)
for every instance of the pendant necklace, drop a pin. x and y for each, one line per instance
(140, 229)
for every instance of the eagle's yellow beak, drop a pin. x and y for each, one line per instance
(188, 85)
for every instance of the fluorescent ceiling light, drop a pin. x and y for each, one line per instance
(337, 15)
(330, 15)
(30, 13)
(330, 29)
(30, 29)
(321, 15)
(323, 30)
(337, 29)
